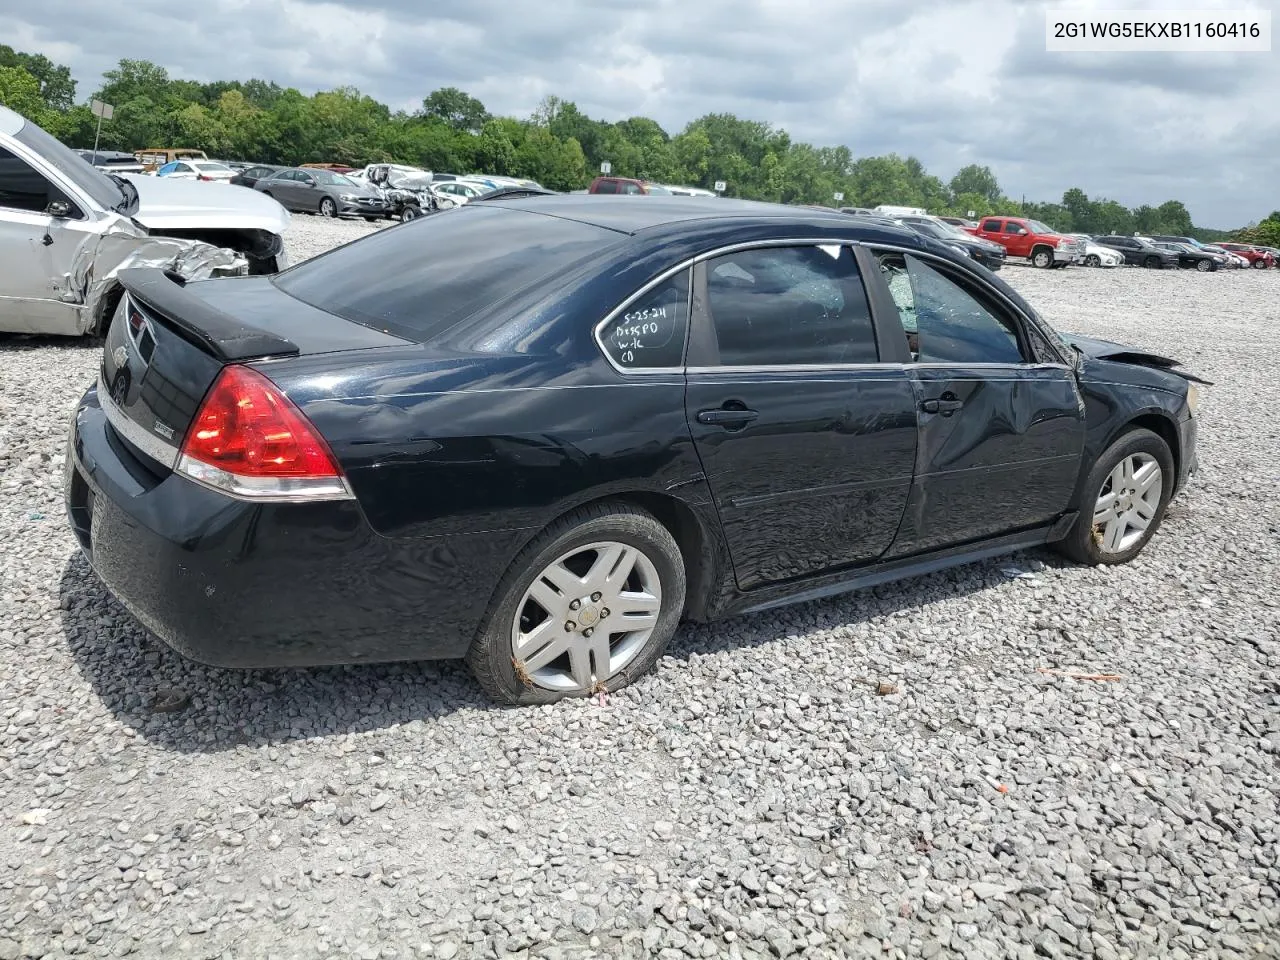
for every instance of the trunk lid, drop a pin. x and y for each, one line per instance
(169, 340)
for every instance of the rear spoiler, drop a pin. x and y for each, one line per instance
(221, 334)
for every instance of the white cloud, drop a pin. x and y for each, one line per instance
(951, 83)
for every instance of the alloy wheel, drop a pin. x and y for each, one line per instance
(586, 617)
(1128, 503)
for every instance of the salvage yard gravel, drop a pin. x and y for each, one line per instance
(1018, 758)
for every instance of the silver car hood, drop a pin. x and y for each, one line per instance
(167, 204)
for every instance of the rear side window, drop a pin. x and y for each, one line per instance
(421, 279)
(651, 332)
(991, 226)
(783, 306)
(606, 186)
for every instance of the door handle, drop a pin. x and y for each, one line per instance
(729, 417)
(945, 405)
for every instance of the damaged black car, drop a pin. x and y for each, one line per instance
(538, 433)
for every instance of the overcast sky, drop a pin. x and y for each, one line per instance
(949, 81)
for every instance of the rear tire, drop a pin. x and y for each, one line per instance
(1119, 511)
(516, 660)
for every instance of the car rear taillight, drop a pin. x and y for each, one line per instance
(248, 440)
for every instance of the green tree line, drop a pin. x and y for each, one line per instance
(559, 145)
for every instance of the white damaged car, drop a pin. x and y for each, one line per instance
(1096, 255)
(67, 229)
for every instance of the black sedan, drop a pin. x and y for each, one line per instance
(538, 433)
(1139, 252)
(250, 175)
(990, 255)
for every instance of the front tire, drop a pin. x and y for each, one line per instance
(1204, 266)
(1124, 500)
(1093, 260)
(586, 608)
(1042, 257)
(1152, 263)
(328, 208)
(1259, 265)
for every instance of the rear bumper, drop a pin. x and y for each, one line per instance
(239, 584)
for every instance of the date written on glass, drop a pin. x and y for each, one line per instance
(646, 329)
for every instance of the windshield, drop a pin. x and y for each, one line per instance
(653, 188)
(1038, 227)
(77, 169)
(408, 181)
(332, 179)
(929, 229)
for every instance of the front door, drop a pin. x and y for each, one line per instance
(1001, 420)
(37, 251)
(807, 443)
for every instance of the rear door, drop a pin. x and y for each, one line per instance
(1001, 419)
(1017, 239)
(806, 439)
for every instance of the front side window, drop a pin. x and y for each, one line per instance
(1014, 228)
(945, 323)
(21, 187)
(651, 332)
(782, 306)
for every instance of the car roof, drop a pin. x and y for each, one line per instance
(633, 214)
(10, 122)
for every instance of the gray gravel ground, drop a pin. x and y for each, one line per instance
(753, 798)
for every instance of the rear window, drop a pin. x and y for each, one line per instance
(421, 279)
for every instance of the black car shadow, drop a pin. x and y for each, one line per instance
(188, 707)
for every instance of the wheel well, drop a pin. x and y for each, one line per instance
(1041, 246)
(110, 300)
(683, 525)
(1161, 427)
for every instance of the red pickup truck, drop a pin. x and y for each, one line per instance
(1031, 239)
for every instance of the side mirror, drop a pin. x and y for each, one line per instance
(58, 209)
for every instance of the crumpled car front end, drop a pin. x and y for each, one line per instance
(181, 227)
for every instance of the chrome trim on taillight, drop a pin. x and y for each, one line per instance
(264, 489)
